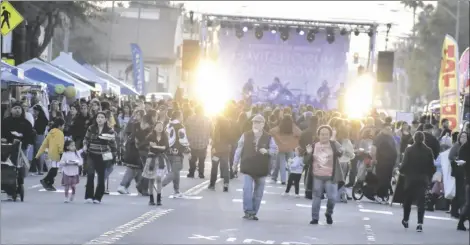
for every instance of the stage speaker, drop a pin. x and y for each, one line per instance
(191, 52)
(385, 67)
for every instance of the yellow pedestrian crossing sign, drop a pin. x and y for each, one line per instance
(10, 18)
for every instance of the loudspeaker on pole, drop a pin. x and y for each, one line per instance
(385, 66)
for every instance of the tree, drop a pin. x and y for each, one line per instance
(422, 61)
(43, 17)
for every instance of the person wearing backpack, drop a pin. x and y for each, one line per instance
(178, 148)
(255, 148)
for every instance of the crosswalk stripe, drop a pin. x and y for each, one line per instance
(240, 200)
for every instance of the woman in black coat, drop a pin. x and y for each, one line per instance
(418, 168)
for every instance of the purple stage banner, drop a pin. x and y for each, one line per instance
(307, 72)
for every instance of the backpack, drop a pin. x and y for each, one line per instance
(177, 139)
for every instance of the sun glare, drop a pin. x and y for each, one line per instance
(359, 97)
(211, 87)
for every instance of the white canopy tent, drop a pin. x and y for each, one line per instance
(65, 61)
(83, 89)
(125, 88)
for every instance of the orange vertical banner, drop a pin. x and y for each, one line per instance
(449, 84)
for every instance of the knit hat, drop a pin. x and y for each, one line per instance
(15, 104)
(258, 118)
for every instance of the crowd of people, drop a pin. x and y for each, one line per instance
(152, 139)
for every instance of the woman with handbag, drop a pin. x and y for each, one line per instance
(100, 146)
(156, 164)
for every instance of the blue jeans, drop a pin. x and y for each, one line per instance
(281, 163)
(331, 189)
(253, 189)
(41, 161)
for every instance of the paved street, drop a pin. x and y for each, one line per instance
(208, 217)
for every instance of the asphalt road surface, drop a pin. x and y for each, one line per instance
(208, 217)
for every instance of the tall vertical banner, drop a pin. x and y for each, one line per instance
(464, 72)
(449, 83)
(138, 69)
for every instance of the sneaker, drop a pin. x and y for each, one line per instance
(51, 188)
(297, 196)
(285, 194)
(283, 183)
(190, 175)
(96, 202)
(329, 219)
(314, 222)
(405, 224)
(247, 216)
(40, 173)
(201, 176)
(43, 183)
(225, 188)
(151, 203)
(253, 217)
(461, 227)
(419, 228)
(211, 187)
(178, 195)
(89, 200)
(66, 200)
(122, 190)
(72, 197)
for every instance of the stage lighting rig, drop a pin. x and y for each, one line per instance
(356, 32)
(311, 36)
(330, 35)
(343, 32)
(259, 32)
(300, 31)
(239, 32)
(370, 32)
(273, 30)
(209, 23)
(284, 31)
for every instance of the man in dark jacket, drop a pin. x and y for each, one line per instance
(253, 154)
(221, 142)
(464, 154)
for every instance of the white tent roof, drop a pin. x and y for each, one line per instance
(109, 77)
(66, 62)
(83, 89)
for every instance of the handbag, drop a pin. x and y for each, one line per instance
(108, 156)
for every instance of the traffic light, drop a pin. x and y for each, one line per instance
(356, 58)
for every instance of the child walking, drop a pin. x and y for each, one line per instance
(295, 168)
(70, 163)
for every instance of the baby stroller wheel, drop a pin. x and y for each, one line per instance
(21, 192)
(357, 192)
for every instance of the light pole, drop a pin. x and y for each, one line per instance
(456, 17)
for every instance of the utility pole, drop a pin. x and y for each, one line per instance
(138, 22)
(110, 41)
(457, 22)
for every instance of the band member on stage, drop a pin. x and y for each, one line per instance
(323, 94)
(248, 90)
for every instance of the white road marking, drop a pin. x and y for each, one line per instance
(265, 192)
(439, 218)
(118, 233)
(210, 238)
(375, 211)
(308, 206)
(231, 239)
(240, 200)
(186, 197)
(365, 219)
(203, 187)
(115, 193)
(57, 191)
(34, 187)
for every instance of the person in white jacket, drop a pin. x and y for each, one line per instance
(70, 162)
(342, 136)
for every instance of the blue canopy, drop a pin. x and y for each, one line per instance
(12, 75)
(47, 78)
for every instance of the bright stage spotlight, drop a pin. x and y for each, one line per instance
(343, 32)
(245, 29)
(359, 97)
(210, 77)
(300, 31)
(284, 33)
(311, 36)
(259, 32)
(273, 30)
(330, 35)
(356, 32)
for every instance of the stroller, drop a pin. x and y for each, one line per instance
(367, 181)
(13, 172)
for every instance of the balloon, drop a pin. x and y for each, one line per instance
(70, 92)
(59, 89)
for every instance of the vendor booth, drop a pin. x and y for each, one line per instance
(66, 62)
(41, 71)
(125, 88)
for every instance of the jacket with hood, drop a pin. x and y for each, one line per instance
(286, 142)
(54, 143)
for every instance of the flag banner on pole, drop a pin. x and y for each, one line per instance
(449, 94)
(464, 71)
(138, 69)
